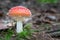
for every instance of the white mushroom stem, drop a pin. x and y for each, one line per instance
(19, 27)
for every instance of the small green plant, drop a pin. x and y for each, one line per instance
(9, 34)
(26, 33)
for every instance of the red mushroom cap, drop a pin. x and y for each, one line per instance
(19, 11)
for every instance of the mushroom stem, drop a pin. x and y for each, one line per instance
(19, 27)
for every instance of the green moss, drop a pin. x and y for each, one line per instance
(47, 1)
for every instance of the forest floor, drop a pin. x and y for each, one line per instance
(45, 23)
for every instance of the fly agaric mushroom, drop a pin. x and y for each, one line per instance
(18, 13)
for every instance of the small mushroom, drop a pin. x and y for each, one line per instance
(19, 13)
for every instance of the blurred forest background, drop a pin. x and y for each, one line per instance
(45, 17)
(5, 5)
